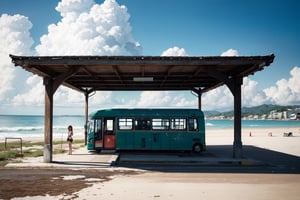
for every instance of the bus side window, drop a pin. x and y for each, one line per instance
(98, 129)
(193, 125)
(178, 123)
(160, 124)
(109, 126)
(142, 124)
(125, 124)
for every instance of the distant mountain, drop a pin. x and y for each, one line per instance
(257, 110)
(211, 113)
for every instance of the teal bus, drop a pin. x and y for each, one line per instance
(146, 129)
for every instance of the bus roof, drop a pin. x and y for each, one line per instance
(142, 112)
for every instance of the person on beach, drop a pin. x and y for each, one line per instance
(70, 138)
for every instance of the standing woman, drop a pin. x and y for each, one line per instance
(70, 138)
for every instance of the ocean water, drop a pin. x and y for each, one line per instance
(228, 124)
(33, 126)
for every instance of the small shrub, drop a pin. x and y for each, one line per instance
(33, 153)
(59, 151)
(3, 163)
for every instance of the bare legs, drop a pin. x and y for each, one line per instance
(70, 148)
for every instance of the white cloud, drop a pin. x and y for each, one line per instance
(218, 99)
(174, 51)
(15, 39)
(15, 35)
(68, 97)
(74, 6)
(101, 98)
(87, 28)
(154, 99)
(230, 52)
(35, 96)
(294, 80)
(164, 99)
(286, 91)
(251, 95)
(7, 75)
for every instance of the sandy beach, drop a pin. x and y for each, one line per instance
(270, 138)
(122, 183)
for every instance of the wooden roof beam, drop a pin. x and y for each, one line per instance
(192, 75)
(58, 80)
(92, 75)
(116, 71)
(166, 75)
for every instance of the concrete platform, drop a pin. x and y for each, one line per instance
(217, 158)
(82, 158)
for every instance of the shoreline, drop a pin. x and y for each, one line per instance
(253, 124)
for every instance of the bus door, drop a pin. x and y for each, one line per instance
(109, 133)
(98, 142)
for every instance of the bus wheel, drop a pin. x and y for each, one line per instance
(197, 148)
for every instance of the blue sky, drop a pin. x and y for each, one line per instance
(200, 28)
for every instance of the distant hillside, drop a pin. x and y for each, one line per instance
(257, 110)
(211, 113)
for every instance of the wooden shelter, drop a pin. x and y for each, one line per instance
(87, 74)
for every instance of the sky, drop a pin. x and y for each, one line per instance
(150, 28)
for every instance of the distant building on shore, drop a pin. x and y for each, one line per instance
(290, 114)
(293, 114)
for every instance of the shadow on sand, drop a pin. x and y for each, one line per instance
(216, 159)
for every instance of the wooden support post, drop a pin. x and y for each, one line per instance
(51, 85)
(199, 94)
(234, 84)
(199, 101)
(86, 94)
(48, 82)
(237, 143)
